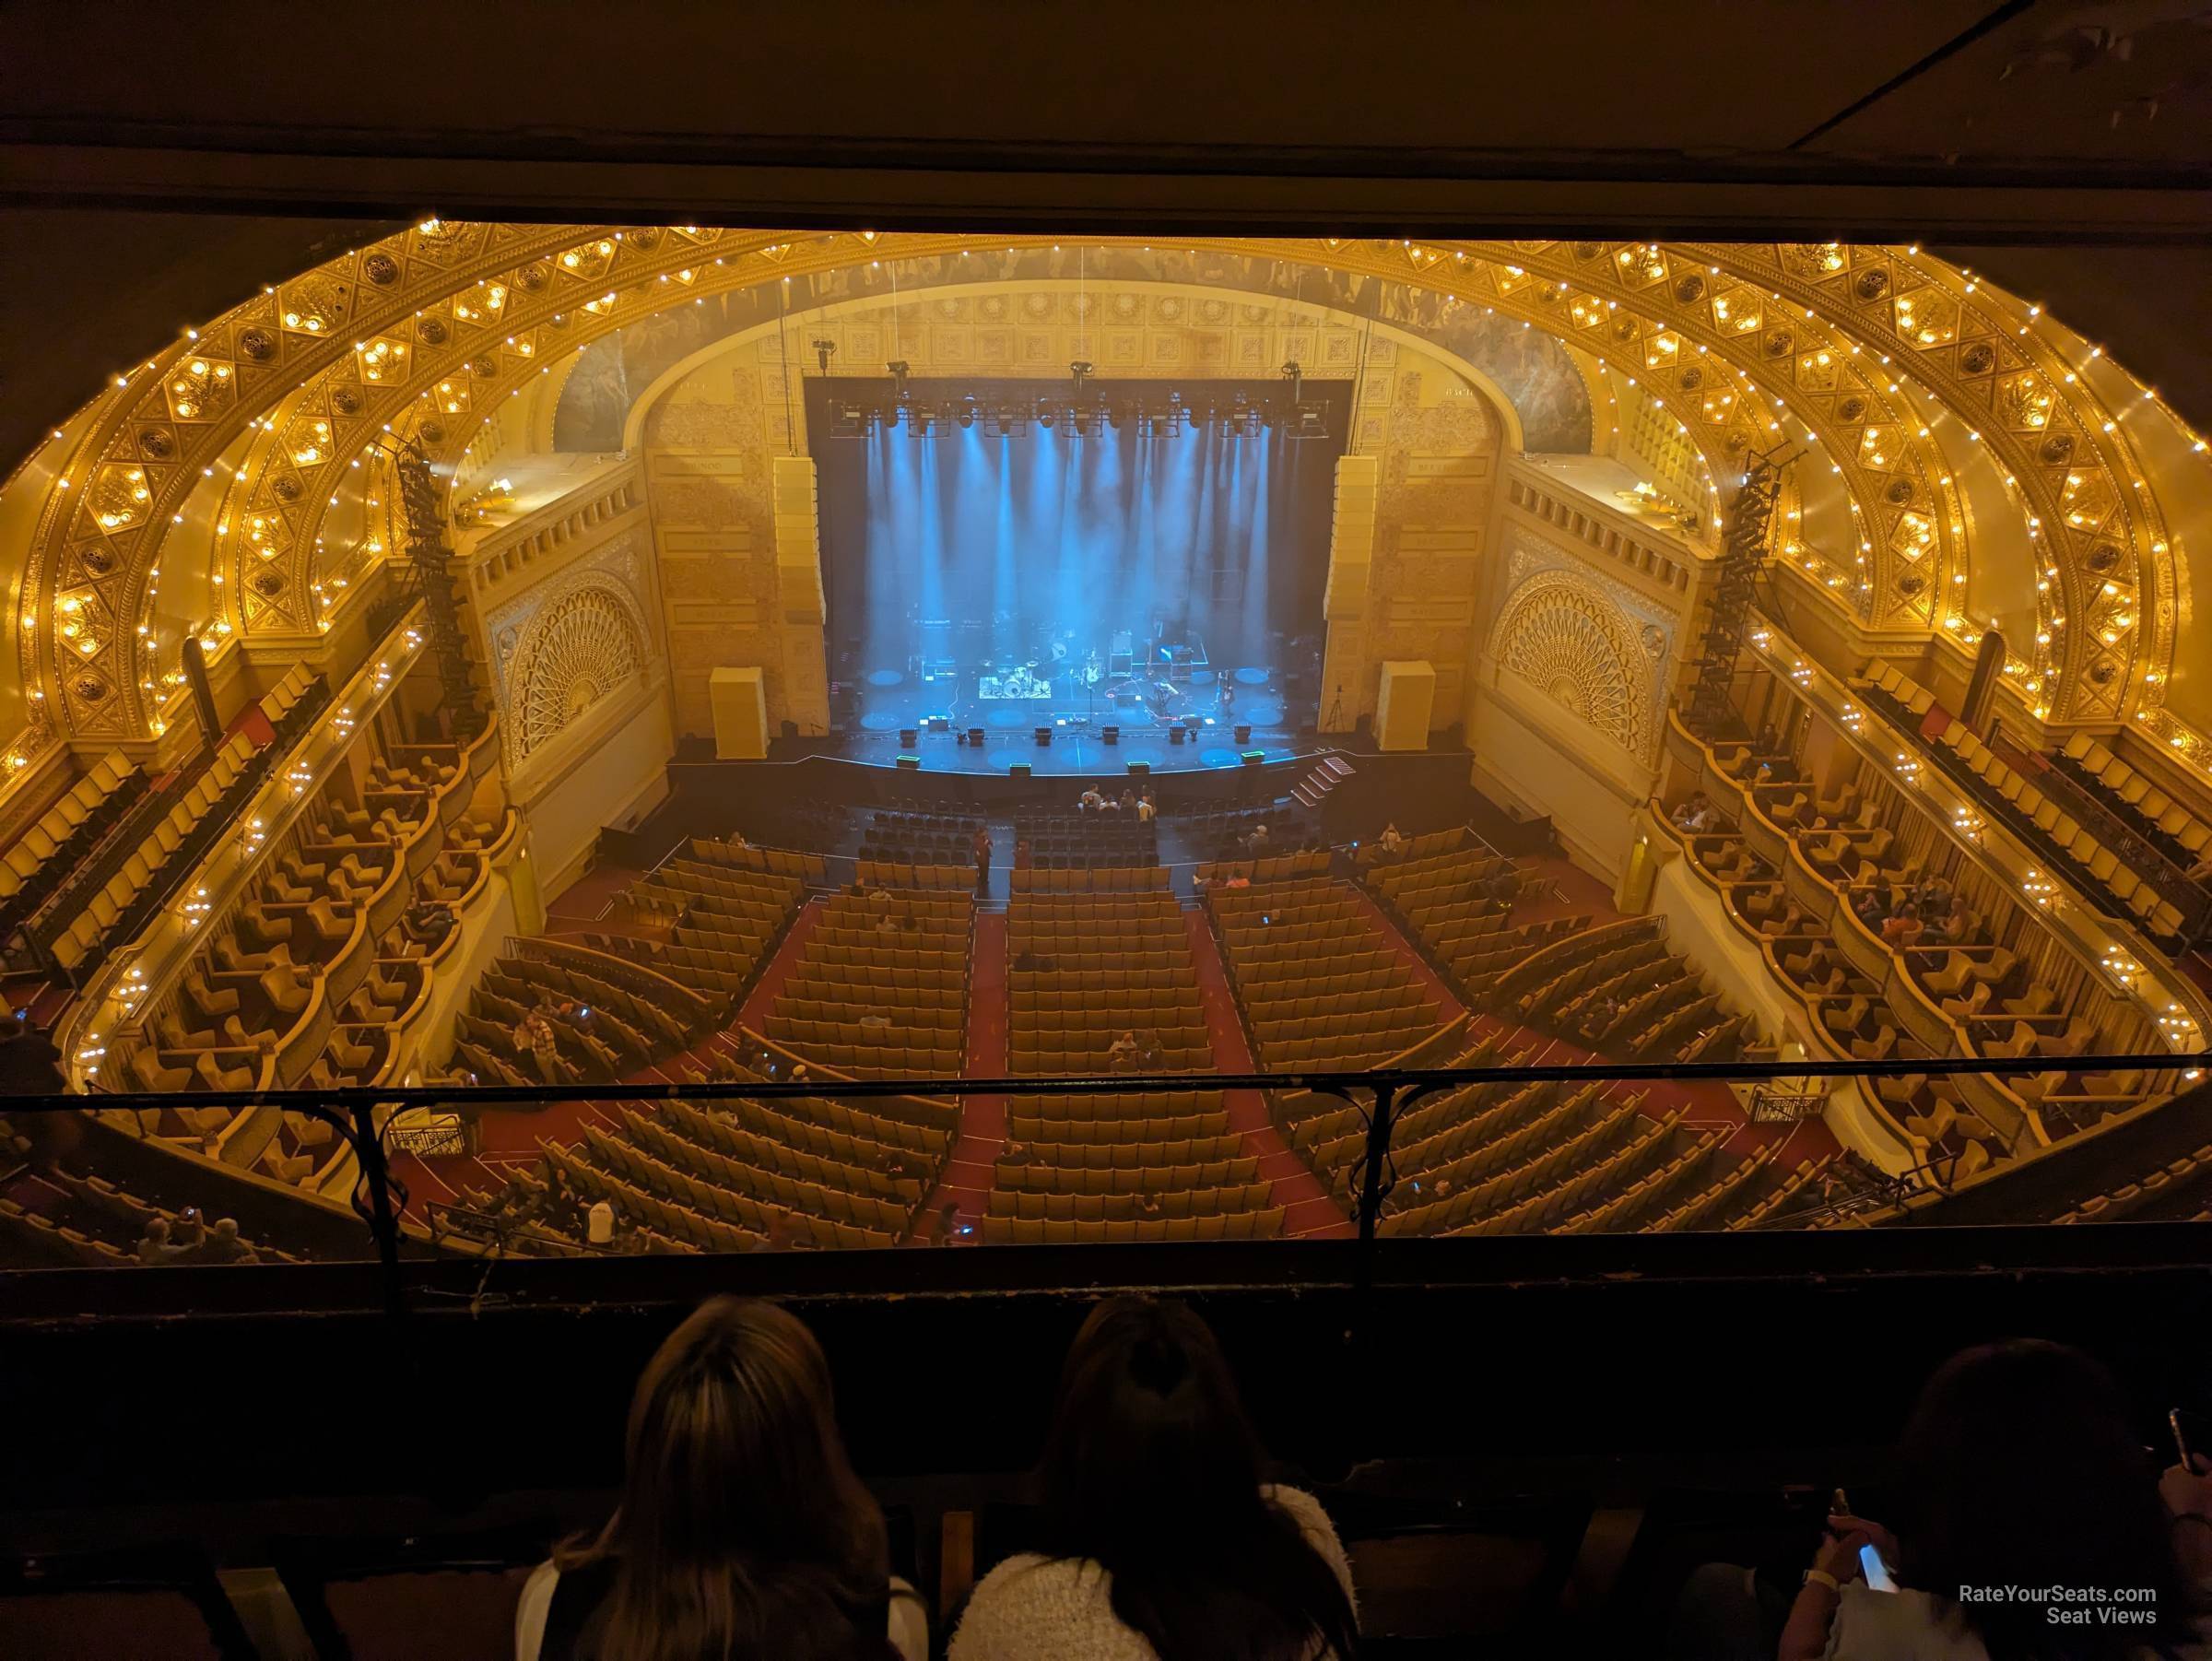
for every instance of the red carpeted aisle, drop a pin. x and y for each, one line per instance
(761, 1001)
(1449, 1007)
(1309, 1210)
(973, 1167)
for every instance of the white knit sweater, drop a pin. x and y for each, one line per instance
(1030, 1606)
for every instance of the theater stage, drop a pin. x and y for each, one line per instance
(892, 705)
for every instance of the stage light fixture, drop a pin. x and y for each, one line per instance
(849, 421)
(898, 369)
(823, 350)
(966, 414)
(1297, 377)
(1045, 417)
(1079, 371)
(1308, 421)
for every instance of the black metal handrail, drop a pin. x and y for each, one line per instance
(1380, 1095)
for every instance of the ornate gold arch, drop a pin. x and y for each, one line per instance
(420, 333)
(1581, 650)
(585, 645)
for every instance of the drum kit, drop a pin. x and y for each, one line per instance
(1021, 681)
(1121, 680)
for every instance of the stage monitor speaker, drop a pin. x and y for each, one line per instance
(1018, 770)
(1176, 735)
(740, 707)
(1142, 768)
(911, 763)
(940, 724)
(1403, 705)
(975, 737)
(909, 736)
(1044, 735)
(1110, 735)
(1244, 733)
(1252, 757)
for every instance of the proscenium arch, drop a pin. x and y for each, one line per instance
(1736, 428)
(368, 294)
(641, 403)
(587, 327)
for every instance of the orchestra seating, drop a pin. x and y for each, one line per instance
(1143, 1166)
(732, 1174)
(711, 913)
(1584, 1163)
(1320, 984)
(915, 838)
(1545, 1157)
(1617, 988)
(1453, 894)
(1063, 840)
(1083, 968)
(603, 1030)
(880, 988)
(1267, 867)
(1228, 833)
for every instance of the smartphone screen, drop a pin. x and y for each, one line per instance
(1876, 1571)
(2190, 1441)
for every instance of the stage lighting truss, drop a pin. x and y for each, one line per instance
(1244, 415)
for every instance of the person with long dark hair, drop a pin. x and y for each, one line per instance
(2033, 1527)
(743, 1533)
(1162, 1543)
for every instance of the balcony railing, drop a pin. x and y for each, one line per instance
(369, 1122)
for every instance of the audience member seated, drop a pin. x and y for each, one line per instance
(1160, 1537)
(1695, 815)
(2021, 1470)
(742, 1530)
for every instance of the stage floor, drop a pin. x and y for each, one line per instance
(890, 704)
(1074, 748)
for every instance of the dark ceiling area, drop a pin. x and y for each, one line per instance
(155, 167)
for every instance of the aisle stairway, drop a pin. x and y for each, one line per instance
(1328, 773)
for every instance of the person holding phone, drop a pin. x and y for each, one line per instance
(2021, 1471)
